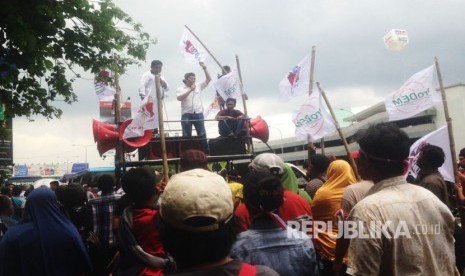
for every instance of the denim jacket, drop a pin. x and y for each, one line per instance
(289, 252)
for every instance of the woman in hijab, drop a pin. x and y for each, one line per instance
(44, 243)
(326, 203)
(291, 184)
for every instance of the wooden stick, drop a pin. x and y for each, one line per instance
(343, 138)
(161, 128)
(322, 146)
(310, 146)
(244, 103)
(213, 57)
(119, 154)
(448, 120)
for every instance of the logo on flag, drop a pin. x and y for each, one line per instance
(438, 138)
(229, 86)
(191, 49)
(297, 81)
(312, 121)
(146, 118)
(415, 96)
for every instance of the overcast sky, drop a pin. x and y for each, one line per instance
(270, 37)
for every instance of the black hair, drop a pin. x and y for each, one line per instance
(186, 76)
(55, 183)
(5, 191)
(86, 179)
(105, 183)
(17, 190)
(433, 155)
(306, 164)
(386, 146)
(139, 184)
(226, 68)
(319, 162)
(263, 191)
(231, 100)
(4, 203)
(193, 248)
(462, 152)
(71, 196)
(155, 63)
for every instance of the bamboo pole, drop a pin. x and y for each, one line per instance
(448, 119)
(244, 104)
(343, 138)
(310, 146)
(119, 155)
(161, 128)
(196, 37)
(322, 146)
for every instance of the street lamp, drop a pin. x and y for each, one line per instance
(67, 161)
(281, 135)
(85, 149)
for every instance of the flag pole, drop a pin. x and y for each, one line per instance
(448, 119)
(310, 146)
(343, 138)
(119, 155)
(161, 128)
(322, 146)
(196, 37)
(244, 103)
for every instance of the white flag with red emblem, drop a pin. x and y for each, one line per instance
(312, 121)
(415, 96)
(191, 49)
(297, 81)
(146, 118)
(438, 138)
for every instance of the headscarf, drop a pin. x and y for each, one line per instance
(44, 243)
(327, 202)
(289, 181)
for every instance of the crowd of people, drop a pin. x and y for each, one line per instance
(252, 222)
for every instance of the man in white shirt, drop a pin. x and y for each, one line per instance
(192, 107)
(147, 81)
(403, 229)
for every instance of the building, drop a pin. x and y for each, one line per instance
(423, 123)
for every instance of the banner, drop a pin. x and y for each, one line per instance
(312, 121)
(212, 108)
(146, 118)
(104, 91)
(297, 81)
(438, 138)
(229, 86)
(415, 96)
(191, 49)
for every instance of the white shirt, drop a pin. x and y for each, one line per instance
(193, 102)
(428, 249)
(147, 85)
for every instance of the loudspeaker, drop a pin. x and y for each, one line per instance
(226, 146)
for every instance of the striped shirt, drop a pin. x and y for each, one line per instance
(102, 214)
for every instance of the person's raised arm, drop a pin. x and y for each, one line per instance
(208, 78)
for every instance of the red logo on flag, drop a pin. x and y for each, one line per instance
(293, 76)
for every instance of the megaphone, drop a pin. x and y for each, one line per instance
(96, 126)
(135, 142)
(106, 139)
(259, 129)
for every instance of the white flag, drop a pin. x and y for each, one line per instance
(191, 49)
(297, 81)
(438, 138)
(146, 118)
(312, 121)
(415, 96)
(229, 86)
(212, 108)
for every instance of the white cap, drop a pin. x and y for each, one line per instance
(268, 163)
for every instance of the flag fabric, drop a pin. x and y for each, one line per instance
(438, 138)
(297, 81)
(415, 96)
(212, 108)
(104, 92)
(229, 86)
(312, 121)
(191, 49)
(146, 118)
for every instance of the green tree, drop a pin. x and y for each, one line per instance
(44, 41)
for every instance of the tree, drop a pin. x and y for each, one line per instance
(44, 41)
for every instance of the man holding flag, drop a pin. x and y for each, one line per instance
(191, 105)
